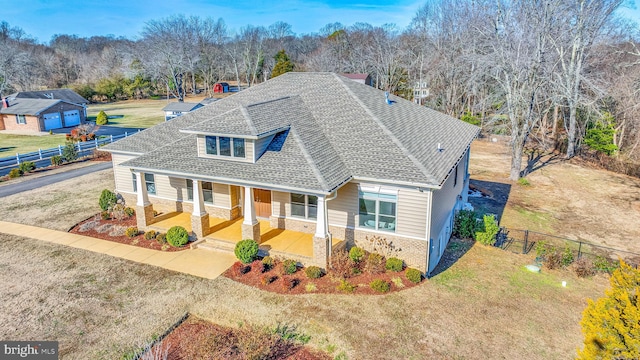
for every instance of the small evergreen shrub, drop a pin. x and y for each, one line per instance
(397, 282)
(374, 264)
(27, 166)
(56, 160)
(567, 257)
(102, 118)
(289, 266)
(394, 264)
(150, 235)
(161, 238)
(14, 173)
(583, 267)
(603, 264)
(310, 287)
(177, 236)
(346, 286)
(246, 250)
(129, 211)
(131, 231)
(380, 285)
(356, 254)
(268, 262)
(414, 275)
(70, 152)
(107, 199)
(313, 272)
(491, 228)
(465, 224)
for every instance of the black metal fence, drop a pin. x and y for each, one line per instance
(526, 242)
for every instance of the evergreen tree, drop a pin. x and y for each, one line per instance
(283, 64)
(611, 325)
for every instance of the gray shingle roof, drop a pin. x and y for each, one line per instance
(53, 94)
(339, 129)
(28, 106)
(181, 106)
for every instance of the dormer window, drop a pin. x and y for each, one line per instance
(222, 145)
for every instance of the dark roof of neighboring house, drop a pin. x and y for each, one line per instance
(54, 94)
(181, 106)
(356, 76)
(331, 130)
(29, 106)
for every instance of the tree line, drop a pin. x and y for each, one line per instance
(554, 73)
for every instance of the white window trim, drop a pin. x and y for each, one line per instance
(306, 208)
(375, 189)
(24, 119)
(231, 145)
(213, 194)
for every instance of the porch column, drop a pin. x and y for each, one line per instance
(250, 224)
(199, 217)
(321, 245)
(144, 209)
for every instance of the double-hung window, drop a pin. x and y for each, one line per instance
(207, 191)
(225, 146)
(304, 206)
(135, 182)
(150, 183)
(378, 210)
(21, 119)
(211, 147)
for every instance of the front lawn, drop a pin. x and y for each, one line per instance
(11, 144)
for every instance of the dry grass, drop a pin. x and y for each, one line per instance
(565, 199)
(12, 144)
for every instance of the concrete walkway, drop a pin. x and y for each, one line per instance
(207, 264)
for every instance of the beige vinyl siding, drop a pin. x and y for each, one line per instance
(163, 187)
(248, 150)
(121, 174)
(261, 146)
(343, 210)
(280, 206)
(202, 149)
(411, 213)
(444, 200)
(221, 195)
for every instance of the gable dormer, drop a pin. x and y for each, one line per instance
(222, 146)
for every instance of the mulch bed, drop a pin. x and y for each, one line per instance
(199, 339)
(275, 280)
(99, 228)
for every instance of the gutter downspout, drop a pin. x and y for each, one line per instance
(326, 222)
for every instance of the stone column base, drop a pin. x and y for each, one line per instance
(321, 249)
(144, 216)
(200, 225)
(251, 232)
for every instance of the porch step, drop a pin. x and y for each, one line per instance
(218, 245)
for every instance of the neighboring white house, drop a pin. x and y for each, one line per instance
(420, 92)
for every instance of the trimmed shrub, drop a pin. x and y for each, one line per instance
(380, 285)
(374, 264)
(583, 267)
(491, 228)
(70, 152)
(107, 199)
(102, 118)
(27, 166)
(161, 238)
(465, 224)
(289, 267)
(356, 254)
(150, 235)
(313, 272)
(177, 236)
(131, 231)
(394, 264)
(567, 257)
(346, 286)
(414, 275)
(56, 160)
(268, 262)
(129, 211)
(246, 250)
(14, 173)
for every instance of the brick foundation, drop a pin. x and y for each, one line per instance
(251, 232)
(292, 224)
(321, 251)
(144, 216)
(200, 225)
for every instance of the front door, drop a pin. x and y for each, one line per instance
(262, 202)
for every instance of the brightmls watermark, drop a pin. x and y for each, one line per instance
(35, 350)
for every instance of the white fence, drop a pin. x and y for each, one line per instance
(84, 149)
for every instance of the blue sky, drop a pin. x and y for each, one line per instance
(44, 18)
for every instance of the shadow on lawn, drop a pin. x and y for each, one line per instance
(494, 197)
(454, 251)
(5, 149)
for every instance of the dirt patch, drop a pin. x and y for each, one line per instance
(114, 230)
(200, 339)
(275, 280)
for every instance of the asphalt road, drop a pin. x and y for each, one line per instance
(27, 185)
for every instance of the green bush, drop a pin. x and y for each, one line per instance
(56, 160)
(414, 275)
(102, 118)
(107, 199)
(491, 228)
(14, 173)
(246, 250)
(150, 235)
(523, 181)
(70, 152)
(346, 286)
(465, 224)
(603, 264)
(177, 236)
(380, 285)
(131, 232)
(27, 166)
(356, 254)
(313, 272)
(567, 257)
(161, 238)
(268, 262)
(289, 266)
(394, 264)
(129, 211)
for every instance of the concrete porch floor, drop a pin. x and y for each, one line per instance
(279, 240)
